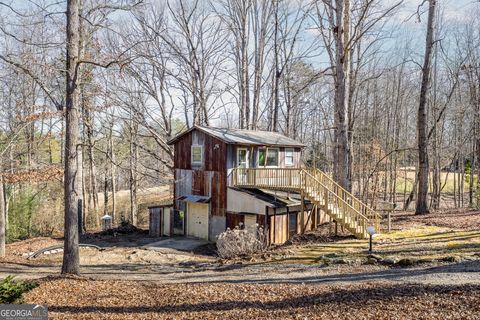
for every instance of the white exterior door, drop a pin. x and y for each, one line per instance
(197, 220)
(242, 157)
(242, 163)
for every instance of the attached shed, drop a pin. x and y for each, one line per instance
(160, 218)
(278, 212)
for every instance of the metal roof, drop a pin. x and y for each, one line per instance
(276, 199)
(167, 202)
(194, 198)
(245, 137)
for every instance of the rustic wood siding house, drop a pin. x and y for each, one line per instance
(206, 202)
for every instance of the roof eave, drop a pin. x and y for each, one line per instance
(178, 137)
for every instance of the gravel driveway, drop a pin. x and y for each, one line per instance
(466, 272)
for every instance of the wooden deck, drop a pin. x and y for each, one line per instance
(319, 188)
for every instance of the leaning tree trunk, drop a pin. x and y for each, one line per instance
(72, 176)
(422, 121)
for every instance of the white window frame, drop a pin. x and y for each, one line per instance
(247, 157)
(201, 154)
(258, 157)
(278, 158)
(292, 150)
(266, 157)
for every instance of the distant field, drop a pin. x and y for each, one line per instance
(405, 181)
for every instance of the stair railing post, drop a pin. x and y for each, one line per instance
(325, 196)
(302, 216)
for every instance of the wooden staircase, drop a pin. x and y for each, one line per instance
(341, 205)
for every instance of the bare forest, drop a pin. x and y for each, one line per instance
(385, 94)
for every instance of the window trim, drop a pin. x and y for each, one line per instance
(247, 157)
(258, 157)
(196, 163)
(266, 157)
(292, 150)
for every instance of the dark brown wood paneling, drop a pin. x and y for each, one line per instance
(198, 183)
(233, 220)
(261, 220)
(210, 179)
(182, 152)
(214, 152)
(219, 193)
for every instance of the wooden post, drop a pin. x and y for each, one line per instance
(274, 224)
(267, 226)
(389, 221)
(288, 223)
(80, 219)
(325, 201)
(302, 216)
(314, 217)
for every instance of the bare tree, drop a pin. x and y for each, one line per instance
(422, 121)
(73, 156)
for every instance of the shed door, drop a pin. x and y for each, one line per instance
(250, 222)
(166, 221)
(197, 220)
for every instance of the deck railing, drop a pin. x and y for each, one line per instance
(346, 196)
(318, 187)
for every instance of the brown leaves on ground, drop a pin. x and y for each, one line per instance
(69, 298)
(17, 252)
(464, 219)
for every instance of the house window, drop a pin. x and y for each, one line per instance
(197, 154)
(268, 157)
(261, 157)
(289, 152)
(242, 158)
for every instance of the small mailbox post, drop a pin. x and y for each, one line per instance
(106, 222)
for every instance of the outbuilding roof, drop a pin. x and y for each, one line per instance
(245, 137)
(275, 198)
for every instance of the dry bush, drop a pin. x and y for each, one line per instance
(241, 242)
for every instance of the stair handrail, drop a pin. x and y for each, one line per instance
(353, 206)
(352, 196)
(337, 196)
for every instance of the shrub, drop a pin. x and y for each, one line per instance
(11, 290)
(241, 242)
(21, 210)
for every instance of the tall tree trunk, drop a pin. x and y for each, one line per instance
(73, 163)
(276, 80)
(342, 67)
(422, 121)
(112, 171)
(133, 172)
